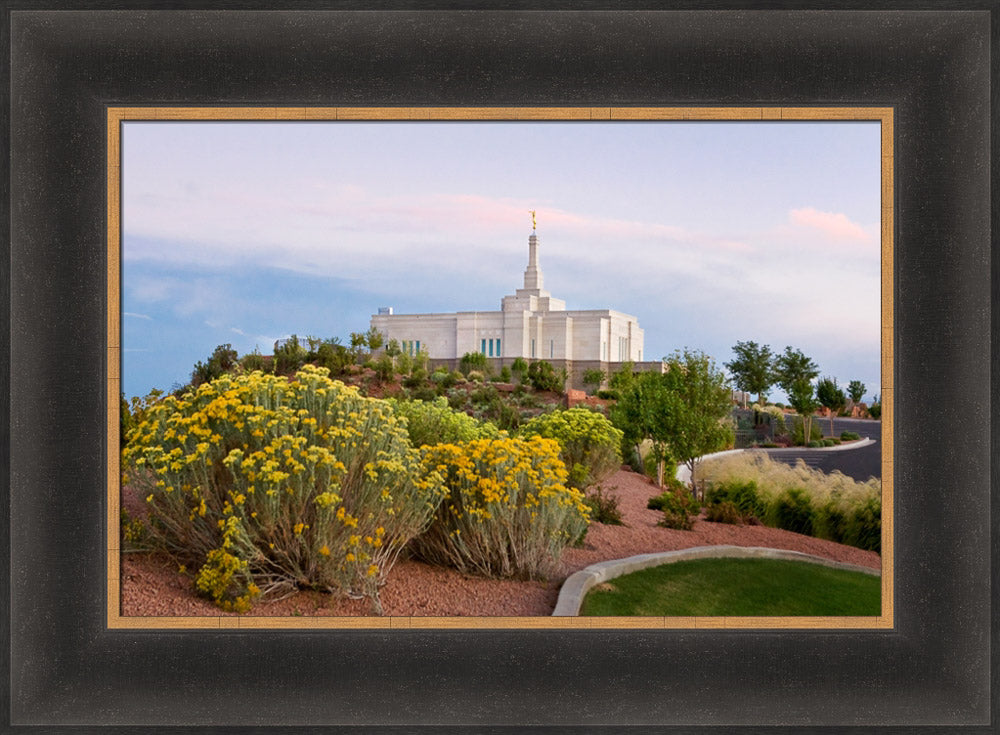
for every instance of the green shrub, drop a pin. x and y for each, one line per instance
(744, 496)
(403, 363)
(593, 378)
(543, 376)
(724, 512)
(815, 432)
(678, 507)
(829, 521)
(221, 361)
(253, 361)
(875, 410)
(334, 357)
(791, 511)
(587, 441)
(607, 395)
(473, 361)
(518, 369)
(385, 370)
(289, 356)
(503, 414)
(483, 395)
(421, 393)
(508, 512)
(269, 484)
(475, 376)
(604, 507)
(416, 379)
(847, 436)
(505, 374)
(815, 444)
(433, 422)
(863, 527)
(829, 443)
(421, 361)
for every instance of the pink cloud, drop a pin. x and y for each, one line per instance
(831, 224)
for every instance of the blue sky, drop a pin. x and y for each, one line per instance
(708, 232)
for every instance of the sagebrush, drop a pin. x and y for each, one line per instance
(507, 512)
(267, 484)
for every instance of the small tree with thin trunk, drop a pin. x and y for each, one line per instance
(801, 398)
(702, 400)
(829, 394)
(856, 390)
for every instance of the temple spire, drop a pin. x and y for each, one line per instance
(533, 274)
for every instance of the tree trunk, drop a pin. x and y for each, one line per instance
(694, 486)
(659, 472)
(831, 422)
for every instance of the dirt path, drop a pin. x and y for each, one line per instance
(153, 586)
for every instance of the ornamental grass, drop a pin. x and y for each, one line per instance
(507, 512)
(798, 498)
(268, 484)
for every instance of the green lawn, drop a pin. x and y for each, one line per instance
(737, 587)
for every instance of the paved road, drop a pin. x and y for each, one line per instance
(857, 463)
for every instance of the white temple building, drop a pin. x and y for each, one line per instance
(531, 324)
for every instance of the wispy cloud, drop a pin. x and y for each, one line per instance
(834, 225)
(136, 316)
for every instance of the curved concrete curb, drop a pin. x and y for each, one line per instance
(575, 588)
(856, 444)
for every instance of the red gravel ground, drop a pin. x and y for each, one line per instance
(152, 586)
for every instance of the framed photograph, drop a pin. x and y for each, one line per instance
(415, 206)
(143, 185)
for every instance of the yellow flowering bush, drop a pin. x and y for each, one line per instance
(269, 484)
(507, 512)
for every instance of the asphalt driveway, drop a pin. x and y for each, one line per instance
(860, 464)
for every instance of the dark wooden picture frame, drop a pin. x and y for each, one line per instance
(931, 671)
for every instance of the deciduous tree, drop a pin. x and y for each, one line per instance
(831, 396)
(792, 367)
(682, 412)
(751, 369)
(801, 398)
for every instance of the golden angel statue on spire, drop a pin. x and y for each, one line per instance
(533, 223)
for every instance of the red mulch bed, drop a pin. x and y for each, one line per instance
(152, 585)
